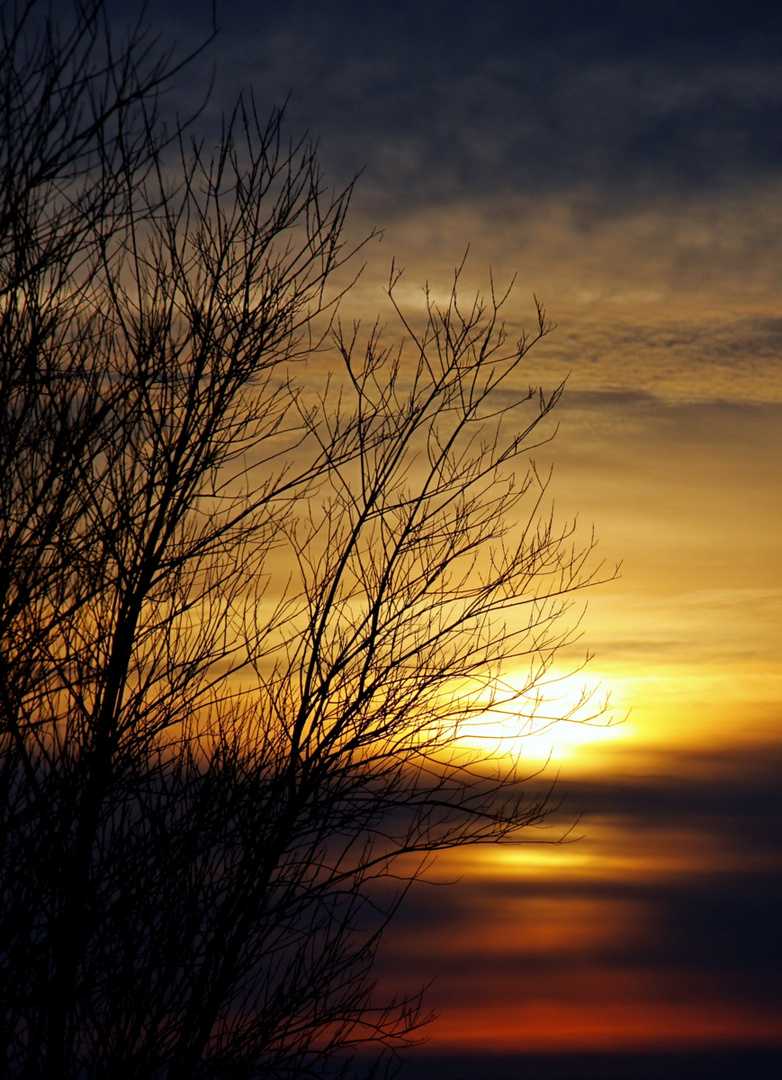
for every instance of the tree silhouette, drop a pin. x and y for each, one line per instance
(247, 608)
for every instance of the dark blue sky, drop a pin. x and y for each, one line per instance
(617, 99)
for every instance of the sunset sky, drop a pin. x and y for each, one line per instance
(624, 161)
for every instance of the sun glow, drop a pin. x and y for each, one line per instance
(553, 721)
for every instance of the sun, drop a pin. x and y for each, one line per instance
(562, 716)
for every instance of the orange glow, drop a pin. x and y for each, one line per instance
(538, 1026)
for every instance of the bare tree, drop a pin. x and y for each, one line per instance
(246, 609)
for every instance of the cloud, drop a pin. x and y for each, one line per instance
(448, 100)
(669, 903)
